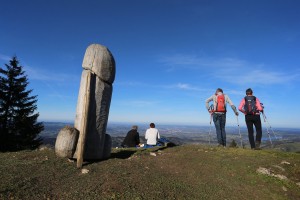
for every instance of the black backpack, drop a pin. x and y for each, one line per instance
(250, 105)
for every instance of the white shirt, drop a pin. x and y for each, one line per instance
(151, 136)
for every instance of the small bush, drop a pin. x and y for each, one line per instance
(233, 144)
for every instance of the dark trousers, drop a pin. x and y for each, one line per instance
(220, 121)
(250, 121)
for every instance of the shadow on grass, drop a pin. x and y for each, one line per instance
(169, 145)
(124, 154)
(127, 153)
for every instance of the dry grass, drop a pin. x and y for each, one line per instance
(184, 172)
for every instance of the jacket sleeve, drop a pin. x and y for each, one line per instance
(241, 106)
(228, 100)
(158, 136)
(208, 100)
(258, 105)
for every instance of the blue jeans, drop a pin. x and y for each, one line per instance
(220, 121)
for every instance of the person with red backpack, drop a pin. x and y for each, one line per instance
(251, 107)
(218, 113)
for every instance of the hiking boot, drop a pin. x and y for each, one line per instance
(257, 145)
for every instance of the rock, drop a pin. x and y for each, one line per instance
(262, 170)
(45, 147)
(285, 163)
(152, 154)
(85, 171)
(278, 167)
(281, 177)
(66, 141)
(265, 171)
(284, 188)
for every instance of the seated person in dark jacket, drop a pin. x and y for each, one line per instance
(132, 138)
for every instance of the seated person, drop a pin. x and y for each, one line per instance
(152, 135)
(132, 138)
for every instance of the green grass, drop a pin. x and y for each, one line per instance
(183, 172)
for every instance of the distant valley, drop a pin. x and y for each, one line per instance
(285, 139)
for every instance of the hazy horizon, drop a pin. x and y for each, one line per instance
(146, 124)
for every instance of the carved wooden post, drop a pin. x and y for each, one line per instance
(93, 104)
(83, 131)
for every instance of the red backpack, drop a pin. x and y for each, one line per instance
(220, 106)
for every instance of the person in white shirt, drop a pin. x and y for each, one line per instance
(152, 135)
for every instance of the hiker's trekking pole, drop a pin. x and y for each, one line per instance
(209, 128)
(266, 120)
(210, 109)
(237, 119)
(267, 130)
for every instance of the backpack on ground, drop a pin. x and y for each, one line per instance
(220, 103)
(250, 105)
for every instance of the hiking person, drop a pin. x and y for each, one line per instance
(132, 138)
(152, 135)
(251, 107)
(218, 112)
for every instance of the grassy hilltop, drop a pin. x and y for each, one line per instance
(182, 172)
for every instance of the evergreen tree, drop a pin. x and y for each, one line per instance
(19, 128)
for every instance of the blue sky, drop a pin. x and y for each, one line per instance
(170, 55)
